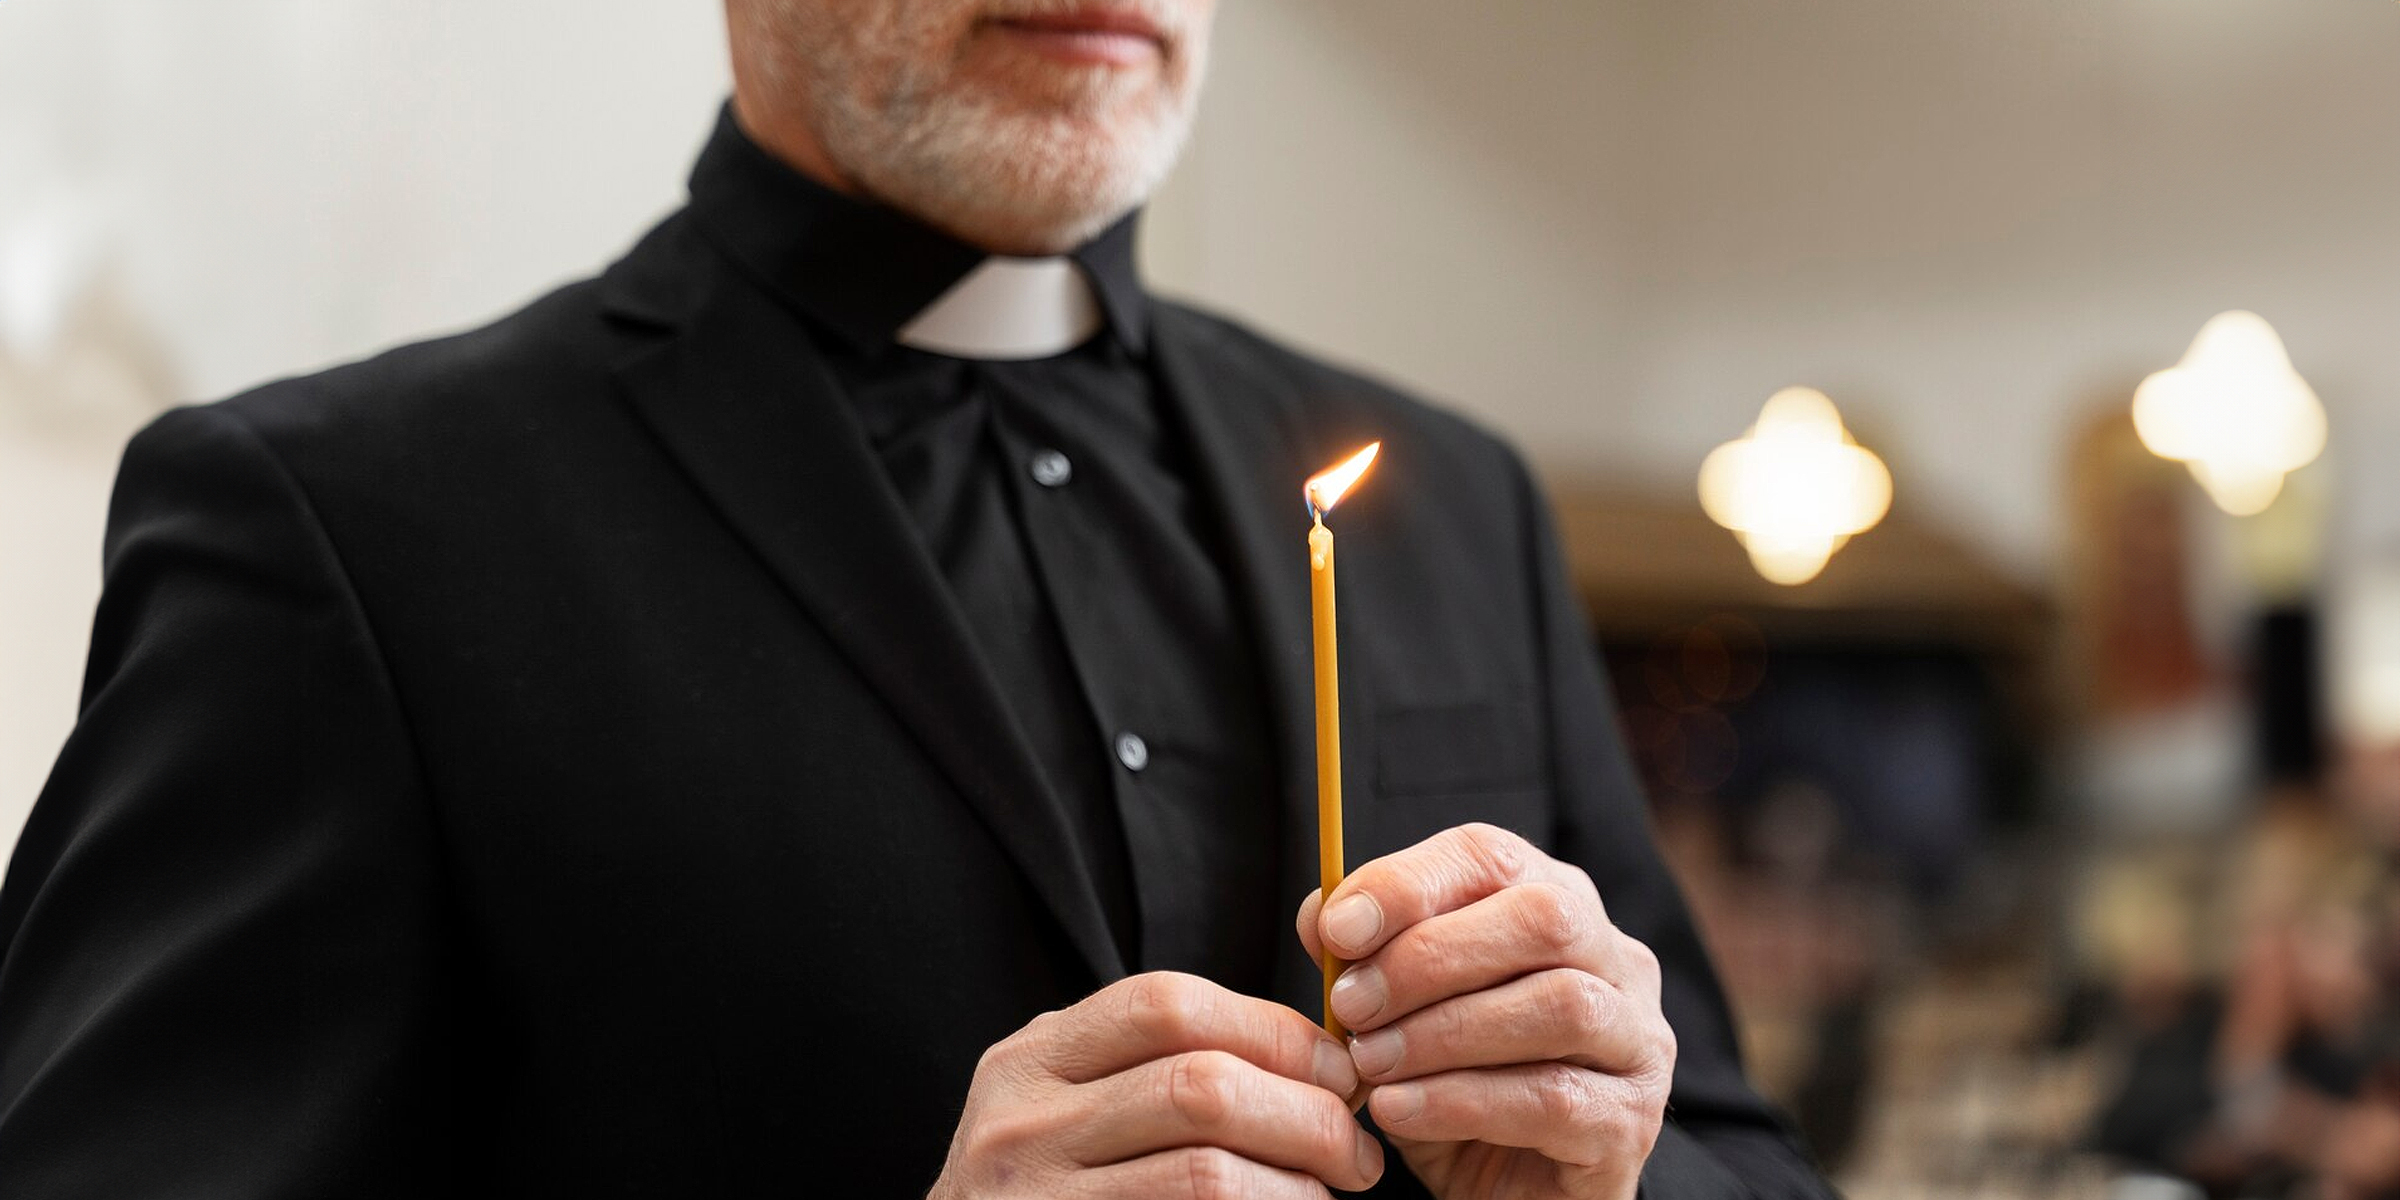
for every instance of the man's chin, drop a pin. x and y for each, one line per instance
(1103, 140)
(1098, 98)
(1018, 170)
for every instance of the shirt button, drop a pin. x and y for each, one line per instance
(1051, 469)
(1133, 751)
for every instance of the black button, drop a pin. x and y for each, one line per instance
(1133, 751)
(1051, 469)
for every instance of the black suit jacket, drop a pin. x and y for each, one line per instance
(544, 761)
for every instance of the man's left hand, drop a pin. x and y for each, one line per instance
(1510, 1033)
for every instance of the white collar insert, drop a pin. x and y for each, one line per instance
(1009, 308)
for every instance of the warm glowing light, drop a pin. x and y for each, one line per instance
(2235, 411)
(2365, 664)
(1326, 490)
(1796, 487)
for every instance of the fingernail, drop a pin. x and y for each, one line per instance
(1353, 921)
(1377, 1053)
(1399, 1102)
(1359, 994)
(1370, 1158)
(1335, 1073)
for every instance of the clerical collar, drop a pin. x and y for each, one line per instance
(871, 274)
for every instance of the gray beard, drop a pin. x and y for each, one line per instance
(1024, 181)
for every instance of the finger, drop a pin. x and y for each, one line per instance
(1565, 1014)
(1198, 1173)
(1449, 870)
(1165, 1013)
(1530, 927)
(1565, 1113)
(1211, 1098)
(1306, 923)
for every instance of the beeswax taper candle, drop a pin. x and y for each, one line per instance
(1323, 492)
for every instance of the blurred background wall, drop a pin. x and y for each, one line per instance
(1613, 228)
(224, 193)
(1608, 228)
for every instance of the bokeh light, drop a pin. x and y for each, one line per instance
(1796, 487)
(2235, 412)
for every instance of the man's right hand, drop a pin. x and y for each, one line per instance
(1162, 1085)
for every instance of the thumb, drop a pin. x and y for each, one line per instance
(1306, 923)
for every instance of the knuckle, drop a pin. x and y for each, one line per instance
(1553, 917)
(1334, 1136)
(1644, 962)
(1210, 1173)
(1583, 1001)
(1202, 1088)
(1628, 1131)
(1010, 1052)
(1292, 1041)
(1007, 1136)
(1163, 1007)
(1662, 1056)
(995, 1056)
(1499, 851)
(1042, 1029)
(1564, 1097)
(1441, 1028)
(1420, 956)
(1579, 879)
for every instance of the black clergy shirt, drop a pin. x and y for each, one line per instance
(1053, 495)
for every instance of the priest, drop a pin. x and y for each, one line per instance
(822, 708)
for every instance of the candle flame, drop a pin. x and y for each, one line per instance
(1325, 490)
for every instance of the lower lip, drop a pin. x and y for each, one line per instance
(1100, 47)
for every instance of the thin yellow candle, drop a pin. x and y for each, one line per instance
(1323, 492)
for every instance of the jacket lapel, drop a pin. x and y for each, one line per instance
(734, 390)
(1253, 447)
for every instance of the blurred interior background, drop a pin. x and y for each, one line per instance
(2045, 834)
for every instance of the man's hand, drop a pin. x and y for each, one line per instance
(1511, 1034)
(1162, 1085)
